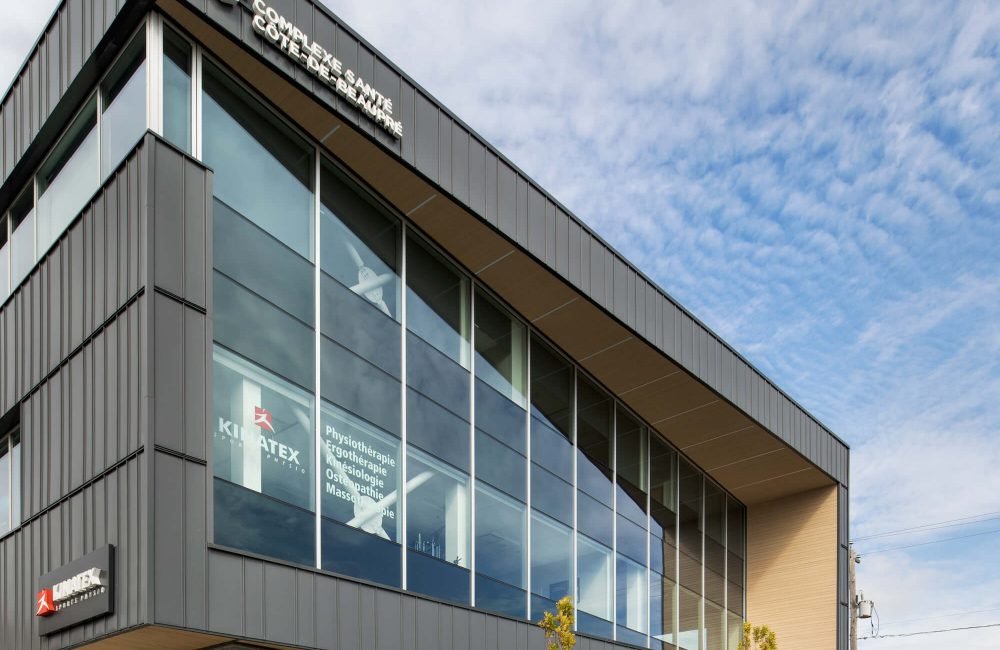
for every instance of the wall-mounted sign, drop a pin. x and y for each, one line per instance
(76, 592)
(312, 56)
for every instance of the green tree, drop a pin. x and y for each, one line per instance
(757, 637)
(559, 626)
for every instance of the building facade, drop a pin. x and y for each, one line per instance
(290, 357)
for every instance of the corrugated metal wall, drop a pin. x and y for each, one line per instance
(73, 356)
(448, 153)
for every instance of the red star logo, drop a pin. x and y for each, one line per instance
(262, 418)
(44, 605)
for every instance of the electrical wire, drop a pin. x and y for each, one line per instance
(949, 629)
(948, 615)
(949, 523)
(936, 541)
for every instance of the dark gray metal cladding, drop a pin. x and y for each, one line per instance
(446, 152)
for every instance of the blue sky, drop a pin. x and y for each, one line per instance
(816, 181)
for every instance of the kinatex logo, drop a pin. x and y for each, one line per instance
(263, 421)
(71, 591)
(76, 592)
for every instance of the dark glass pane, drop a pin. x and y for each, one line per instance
(500, 537)
(595, 519)
(358, 386)
(438, 528)
(262, 170)
(351, 552)
(735, 602)
(735, 527)
(551, 561)
(5, 496)
(663, 490)
(437, 302)
(437, 430)
(255, 522)
(631, 455)
(275, 340)
(501, 350)
(286, 280)
(349, 320)
(437, 377)
(500, 466)
(500, 417)
(631, 602)
(360, 246)
(626, 635)
(123, 121)
(551, 389)
(594, 427)
(594, 582)
(434, 577)
(715, 549)
(632, 540)
(176, 90)
(552, 450)
(593, 625)
(494, 596)
(551, 495)
(690, 526)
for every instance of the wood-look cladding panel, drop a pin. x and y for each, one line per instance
(109, 510)
(792, 568)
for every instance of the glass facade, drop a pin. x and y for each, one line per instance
(379, 414)
(10, 481)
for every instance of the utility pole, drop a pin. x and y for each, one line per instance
(852, 560)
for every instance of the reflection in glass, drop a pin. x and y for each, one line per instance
(68, 178)
(4, 260)
(690, 526)
(360, 244)
(735, 540)
(734, 630)
(262, 170)
(361, 522)
(500, 552)
(5, 495)
(689, 619)
(715, 548)
(632, 464)
(662, 607)
(593, 587)
(437, 528)
(551, 563)
(437, 302)
(15, 479)
(501, 352)
(630, 600)
(715, 626)
(551, 390)
(22, 236)
(176, 90)
(123, 95)
(594, 428)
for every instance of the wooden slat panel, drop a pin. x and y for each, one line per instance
(792, 568)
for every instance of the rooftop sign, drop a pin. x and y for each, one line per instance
(312, 56)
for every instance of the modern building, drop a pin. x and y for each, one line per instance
(290, 357)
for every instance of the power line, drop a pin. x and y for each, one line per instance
(948, 615)
(950, 629)
(961, 521)
(936, 541)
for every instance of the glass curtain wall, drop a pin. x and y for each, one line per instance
(10, 481)
(379, 415)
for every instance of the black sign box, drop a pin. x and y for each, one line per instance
(96, 603)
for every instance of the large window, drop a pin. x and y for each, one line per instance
(448, 448)
(10, 479)
(123, 105)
